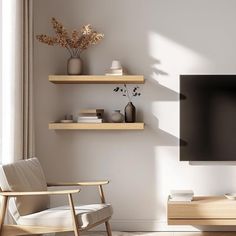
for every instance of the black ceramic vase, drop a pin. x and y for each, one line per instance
(130, 113)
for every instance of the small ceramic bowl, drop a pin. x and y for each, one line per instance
(66, 121)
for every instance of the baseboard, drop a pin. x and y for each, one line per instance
(155, 225)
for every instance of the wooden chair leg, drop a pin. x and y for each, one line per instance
(76, 231)
(3, 212)
(74, 219)
(102, 196)
(108, 227)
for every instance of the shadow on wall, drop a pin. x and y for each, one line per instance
(157, 38)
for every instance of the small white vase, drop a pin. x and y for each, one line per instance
(117, 117)
(74, 66)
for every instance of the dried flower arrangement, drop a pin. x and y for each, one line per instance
(75, 42)
(126, 92)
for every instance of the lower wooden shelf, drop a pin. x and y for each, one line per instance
(213, 210)
(96, 126)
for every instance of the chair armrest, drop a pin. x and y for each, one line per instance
(15, 194)
(94, 183)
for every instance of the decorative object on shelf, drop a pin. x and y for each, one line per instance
(68, 119)
(91, 116)
(181, 195)
(130, 110)
(74, 66)
(116, 65)
(117, 117)
(75, 42)
(116, 69)
(130, 113)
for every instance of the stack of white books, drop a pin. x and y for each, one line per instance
(118, 71)
(181, 195)
(91, 116)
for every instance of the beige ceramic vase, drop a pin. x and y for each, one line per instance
(74, 66)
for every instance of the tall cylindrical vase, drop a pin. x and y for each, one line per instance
(74, 66)
(130, 113)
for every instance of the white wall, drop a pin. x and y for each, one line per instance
(1, 27)
(160, 39)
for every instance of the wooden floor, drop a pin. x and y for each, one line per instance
(204, 234)
(165, 234)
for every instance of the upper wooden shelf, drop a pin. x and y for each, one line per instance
(96, 79)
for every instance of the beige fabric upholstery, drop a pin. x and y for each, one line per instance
(26, 175)
(61, 216)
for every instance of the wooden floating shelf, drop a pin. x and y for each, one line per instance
(96, 126)
(209, 210)
(96, 79)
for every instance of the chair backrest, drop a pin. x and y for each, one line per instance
(25, 175)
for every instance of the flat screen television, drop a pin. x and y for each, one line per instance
(208, 117)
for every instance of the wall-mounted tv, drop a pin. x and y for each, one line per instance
(208, 117)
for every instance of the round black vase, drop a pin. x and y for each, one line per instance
(130, 113)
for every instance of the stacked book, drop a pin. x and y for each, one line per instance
(117, 71)
(90, 116)
(181, 196)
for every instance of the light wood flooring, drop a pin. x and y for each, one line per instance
(165, 234)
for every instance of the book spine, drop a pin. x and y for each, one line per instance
(91, 111)
(176, 199)
(88, 117)
(111, 74)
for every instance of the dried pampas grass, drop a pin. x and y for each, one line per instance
(75, 42)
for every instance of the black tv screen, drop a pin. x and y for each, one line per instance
(208, 117)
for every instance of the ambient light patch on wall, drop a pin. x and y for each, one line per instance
(172, 59)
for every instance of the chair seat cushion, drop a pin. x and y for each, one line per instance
(87, 215)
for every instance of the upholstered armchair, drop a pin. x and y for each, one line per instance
(24, 193)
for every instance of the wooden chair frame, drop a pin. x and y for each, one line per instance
(13, 230)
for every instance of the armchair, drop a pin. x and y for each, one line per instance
(24, 193)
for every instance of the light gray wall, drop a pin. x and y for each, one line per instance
(160, 39)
